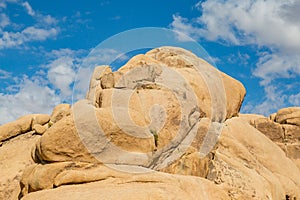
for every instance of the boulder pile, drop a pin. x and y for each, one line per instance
(166, 125)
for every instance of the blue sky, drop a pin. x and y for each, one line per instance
(42, 44)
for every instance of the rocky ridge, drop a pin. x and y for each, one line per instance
(166, 125)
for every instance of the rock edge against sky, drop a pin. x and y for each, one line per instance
(170, 129)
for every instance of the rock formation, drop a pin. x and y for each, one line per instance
(166, 125)
(283, 128)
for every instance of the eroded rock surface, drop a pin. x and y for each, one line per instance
(282, 128)
(15, 156)
(166, 125)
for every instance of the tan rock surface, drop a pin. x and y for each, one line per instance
(60, 111)
(181, 60)
(100, 79)
(161, 127)
(22, 125)
(291, 133)
(271, 129)
(281, 128)
(15, 128)
(250, 118)
(40, 119)
(289, 116)
(152, 185)
(39, 129)
(250, 166)
(55, 146)
(62, 143)
(15, 156)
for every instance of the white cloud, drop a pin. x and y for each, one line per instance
(48, 19)
(115, 18)
(40, 93)
(28, 8)
(268, 24)
(32, 97)
(11, 39)
(4, 74)
(295, 99)
(4, 20)
(273, 23)
(2, 5)
(273, 100)
(62, 74)
(45, 27)
(38, 34)
(62, 70)
(54, 54)
(184, 29)
(277, 65)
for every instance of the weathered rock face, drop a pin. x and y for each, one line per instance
(205, 87)
(22, 125)
(283, 128)
(17, 140)
(250, 166)
(288, 116)
(59, 112)
(115, 185)
(15, 156)
(122, 105)
(166, 125)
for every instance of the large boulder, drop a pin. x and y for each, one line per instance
(60, 111)
(22, 125)
(288, 116)
(15, 156)
(117, 185)
(156, 100)
(248, 165)
(244, 163)
(205, 80)
(214, 90)
(17, 141)
(166, 125)
(283, 129)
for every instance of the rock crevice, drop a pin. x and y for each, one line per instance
(166, 125)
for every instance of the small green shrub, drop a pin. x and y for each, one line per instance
(50, 124)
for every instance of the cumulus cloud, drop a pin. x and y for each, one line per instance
(185, 30)
(62, 74)
(4, 20)
(28, 8)
(273, 100)
(44, 28)
(268, 24)
(4, 74)
(62, 70)
(33, 33)
(295, 99)
(32, 97)
(2, 5)
(48, 19)
(39, 93)
(15, 39)
(277, 65)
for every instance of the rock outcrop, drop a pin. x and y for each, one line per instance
(166, 125)
(283, 128)
(22, 125)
